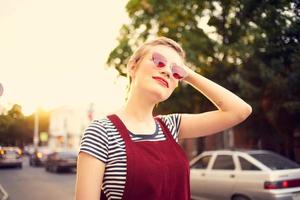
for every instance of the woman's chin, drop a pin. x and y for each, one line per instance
(160, 96)
(157, 94)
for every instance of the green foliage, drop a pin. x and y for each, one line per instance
(17, 130)
(249, 47)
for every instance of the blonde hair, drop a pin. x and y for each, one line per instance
(141, 51)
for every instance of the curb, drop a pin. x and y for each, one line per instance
(3, 193)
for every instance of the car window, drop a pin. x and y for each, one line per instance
(202, 163)
(67, 155)
(246, 165)
(10, 154)
(275, 161)
(224, 162)
(53, 156)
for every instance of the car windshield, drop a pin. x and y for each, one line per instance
(10, 152)
(275, 161)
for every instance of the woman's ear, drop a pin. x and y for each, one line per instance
(131, 68)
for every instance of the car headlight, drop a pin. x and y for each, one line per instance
(39, 155)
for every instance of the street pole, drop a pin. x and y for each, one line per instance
(36, 129)
(1, 89)
(1, 92)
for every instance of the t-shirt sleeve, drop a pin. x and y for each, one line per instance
(95, 141)
(172, 121)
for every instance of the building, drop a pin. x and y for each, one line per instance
(67, 124)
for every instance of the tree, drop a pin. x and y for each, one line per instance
(249, 47)
(17, 130)
(12, 131)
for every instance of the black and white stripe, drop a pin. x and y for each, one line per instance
(102, 141)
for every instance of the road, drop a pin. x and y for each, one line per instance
(34, 183)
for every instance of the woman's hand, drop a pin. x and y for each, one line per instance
(188, 71)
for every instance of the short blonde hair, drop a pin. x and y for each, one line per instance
(141, 51)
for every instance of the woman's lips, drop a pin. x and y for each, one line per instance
(162, 81)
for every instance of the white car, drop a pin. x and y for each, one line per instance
(244, 175)
(11, 157)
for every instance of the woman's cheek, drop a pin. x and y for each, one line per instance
(174, 85)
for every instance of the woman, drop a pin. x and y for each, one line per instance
(132, 155)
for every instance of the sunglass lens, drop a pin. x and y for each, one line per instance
(160, 64)
(177, 76)
(178, 72)
(158, 60)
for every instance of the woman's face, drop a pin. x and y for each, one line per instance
(149, 79)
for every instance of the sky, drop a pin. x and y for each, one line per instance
(53, 53)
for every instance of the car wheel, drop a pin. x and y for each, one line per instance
(50, 169)
(55, 169)
(240, 197)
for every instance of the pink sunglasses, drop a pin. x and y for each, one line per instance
(160, 61)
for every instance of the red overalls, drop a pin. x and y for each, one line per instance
(156, 170)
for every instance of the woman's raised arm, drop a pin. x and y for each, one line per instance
(231, 109)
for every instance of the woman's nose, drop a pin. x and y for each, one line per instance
(166, 71)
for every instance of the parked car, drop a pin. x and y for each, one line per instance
(39, 156)
(244, 175)
(11, 157)
(62, 160)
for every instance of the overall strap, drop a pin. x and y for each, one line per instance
(120, 127)
(129, 148)
(123, 131)
(165, 129)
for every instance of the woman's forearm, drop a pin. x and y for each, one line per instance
(222, 98)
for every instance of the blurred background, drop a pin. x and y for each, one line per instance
(62, 64)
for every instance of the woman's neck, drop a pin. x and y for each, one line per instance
(137, 114)
(138, 109)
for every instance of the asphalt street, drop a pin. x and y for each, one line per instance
(34, 183)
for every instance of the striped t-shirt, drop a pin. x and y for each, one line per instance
(102, 141)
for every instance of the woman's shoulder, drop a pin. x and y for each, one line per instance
(101, 121)
(105, 124)
(172, 121)
(95, 140)
(99, 125)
